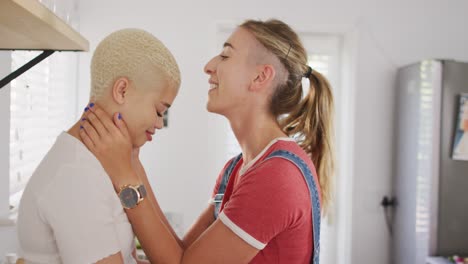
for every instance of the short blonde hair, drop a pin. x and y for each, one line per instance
(128, 53)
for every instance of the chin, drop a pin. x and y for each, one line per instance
(210, 107)
(138, 143)
(218, 111)
(141, 144)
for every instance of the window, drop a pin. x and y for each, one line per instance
(324, 57)
(42, 104)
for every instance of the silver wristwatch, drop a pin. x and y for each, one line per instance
(132, 195)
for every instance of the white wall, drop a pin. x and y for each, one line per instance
(184, 160)
(5, 65)
(7, 235)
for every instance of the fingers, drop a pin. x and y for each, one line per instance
(90, 132)
(86, 139)
(96, 122)
(121, 125)
(104, 118)
(103, 128)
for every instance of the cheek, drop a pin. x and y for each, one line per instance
(230, 76)
(237, 82)
(134, 123)
(143, 122)
(147, 117)
(150, 120)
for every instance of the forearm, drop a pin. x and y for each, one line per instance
(157, 242)
(155, 235)
(152, 198)
(138, 260)
(201, 224)
(194, 232)
(156, 239)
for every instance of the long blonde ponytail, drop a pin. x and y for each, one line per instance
(310, 119)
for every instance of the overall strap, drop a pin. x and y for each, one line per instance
(218, 199)
(314, 196)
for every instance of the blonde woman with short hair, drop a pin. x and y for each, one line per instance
(69, 212)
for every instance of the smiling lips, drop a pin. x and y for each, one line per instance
(213, 86)
(149, 135)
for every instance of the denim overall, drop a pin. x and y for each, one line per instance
(313, 191)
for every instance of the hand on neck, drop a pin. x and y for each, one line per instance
(75, 129)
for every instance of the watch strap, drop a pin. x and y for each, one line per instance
(142, 190)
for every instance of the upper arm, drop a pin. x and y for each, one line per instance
(218, 244)
(81, 216)
(266, 202)
(262, 206)
(207, 216)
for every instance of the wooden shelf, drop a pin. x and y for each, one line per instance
(28, 25)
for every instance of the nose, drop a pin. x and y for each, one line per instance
(159, 122)
(210, 67)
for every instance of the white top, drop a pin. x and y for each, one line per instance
(69, 212)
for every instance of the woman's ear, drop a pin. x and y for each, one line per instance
(264, 76)
(120, 89)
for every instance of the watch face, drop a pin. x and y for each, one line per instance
(129, 197)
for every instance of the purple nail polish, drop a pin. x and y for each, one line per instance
(91, 104)
(83, 119)
(81, 127)
(86, 109)
(120, 116)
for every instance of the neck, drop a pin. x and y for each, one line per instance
(75, 131)
(254, 132)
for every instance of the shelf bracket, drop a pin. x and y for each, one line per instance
(25, 67)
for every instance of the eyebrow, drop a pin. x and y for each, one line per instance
(227, 44)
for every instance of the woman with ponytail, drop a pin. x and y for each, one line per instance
(268, 201)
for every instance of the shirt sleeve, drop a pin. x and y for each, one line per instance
(268, 200)
(80, 210)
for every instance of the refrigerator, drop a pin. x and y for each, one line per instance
(430, 217)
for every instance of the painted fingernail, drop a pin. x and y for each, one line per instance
(120, 116)
(81, 127)
(83, 119)
(91, 104)
(86, 109)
